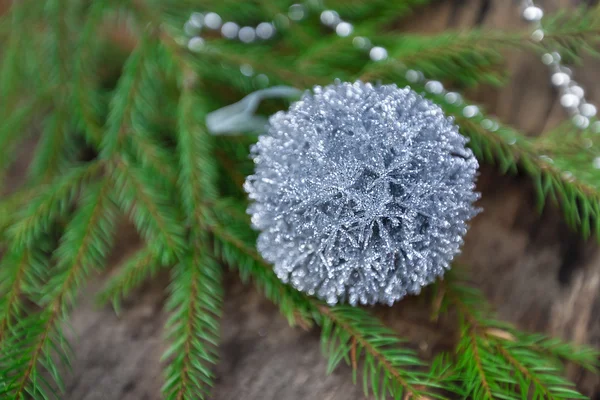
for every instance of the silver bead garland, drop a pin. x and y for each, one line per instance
(572, 96)
(361, 193)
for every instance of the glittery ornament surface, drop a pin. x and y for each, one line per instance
(361, 193)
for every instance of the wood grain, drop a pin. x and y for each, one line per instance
(537, 273)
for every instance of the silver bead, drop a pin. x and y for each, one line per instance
(361, 42)
(191, 29)
(314, 3)
(597, 162)
(378, 53)
(197, 19)
(330, 18)
(230, 30)
(247, 34)
(568, 176)
(581, 122)
(588, 110)
(195, 44)
(487, 124)
(547, 59)
(537, 35)
(569, 100)
(577, 91)
(566, 70)
(556, 56)
(344, 29)
(296, 12)
(453, 98)
(533, 13)
(596, 127)
(412, 76)
(560, 79)
(265, 30)
(281, 21)
(212, 20)
(470, 111)
(262, 80)
(246, 70)
(434, 87)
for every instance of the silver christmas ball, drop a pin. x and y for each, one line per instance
(361, 193)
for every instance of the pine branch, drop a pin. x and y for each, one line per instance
(53, 153)
(13, 274)
(196, 296)
(377, 12)
(497, 361)
(83, 247)
(583, 356)
(23, 272)
(130, 89)
(466, 58)
(232, 56)
(198, 170)
(349, 333)
(12, 133)
(10, 73)
(150, 209)
(475, 56)
(139, 267)
(87, 103)
(58, 13)
(511, 151)
(136, 190)
(153, 155)
(152, 116)
(55, 200)
(572, 32)
(10, 207)
(482, 371)
(195, 307)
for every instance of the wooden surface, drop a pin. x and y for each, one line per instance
(537, 273)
